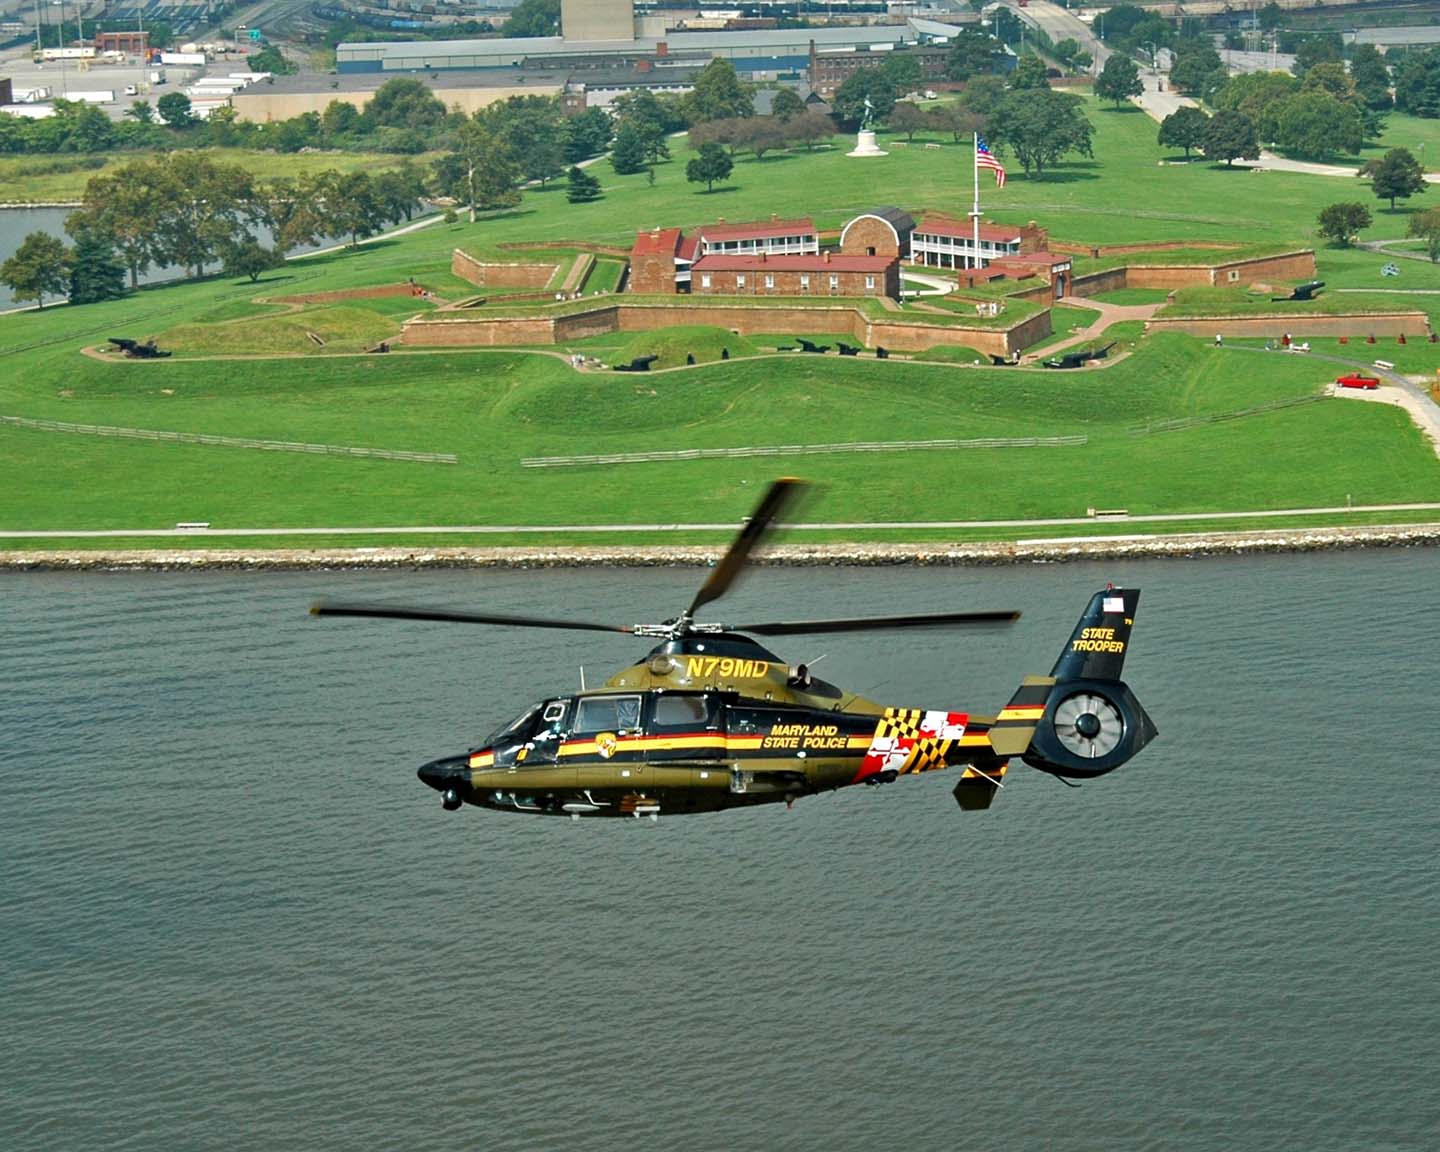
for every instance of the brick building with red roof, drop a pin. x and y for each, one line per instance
(818, 274)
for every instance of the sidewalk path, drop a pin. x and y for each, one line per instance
(1109, 314)
(837, 526)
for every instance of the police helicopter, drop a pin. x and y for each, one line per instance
(711, 719)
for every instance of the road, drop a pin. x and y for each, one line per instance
(1061, 24)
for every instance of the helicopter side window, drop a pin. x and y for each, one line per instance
(608, 714)
(681, 713)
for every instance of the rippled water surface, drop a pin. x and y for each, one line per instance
(231, 917)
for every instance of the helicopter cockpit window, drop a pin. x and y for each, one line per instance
(681, 713)
(608, 714)
(517, 730)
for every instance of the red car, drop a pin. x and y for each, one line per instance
(1355, 380)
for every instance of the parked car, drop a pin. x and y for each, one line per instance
(1355, 380)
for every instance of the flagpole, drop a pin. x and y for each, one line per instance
(975, 207)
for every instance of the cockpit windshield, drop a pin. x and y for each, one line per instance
(517, 729)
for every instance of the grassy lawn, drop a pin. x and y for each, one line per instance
(1128, 297)
(495, 408)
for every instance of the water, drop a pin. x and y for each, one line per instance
(231, 917)
(17, 223)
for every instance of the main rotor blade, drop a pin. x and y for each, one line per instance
(875, 623)
(733, 562)
(386, 612)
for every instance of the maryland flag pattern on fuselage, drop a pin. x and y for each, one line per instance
(909, 740)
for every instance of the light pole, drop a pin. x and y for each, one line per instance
(64, 76)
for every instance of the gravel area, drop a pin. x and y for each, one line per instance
(823, 555)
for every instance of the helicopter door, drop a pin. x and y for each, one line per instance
(686, 738)
(544, 744)
(609, 728)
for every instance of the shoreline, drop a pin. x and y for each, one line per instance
(1193, 545)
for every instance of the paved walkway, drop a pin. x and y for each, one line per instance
(729, 526)
(1109, 314)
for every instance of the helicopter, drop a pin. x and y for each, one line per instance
(710, 719)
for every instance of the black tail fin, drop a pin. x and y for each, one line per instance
(1097, 648)
(1090, 722)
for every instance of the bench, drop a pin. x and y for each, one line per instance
(1385, 365)
(193, 526)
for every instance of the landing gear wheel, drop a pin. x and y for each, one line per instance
(450, 800)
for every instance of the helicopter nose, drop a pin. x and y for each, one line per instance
(444, 773)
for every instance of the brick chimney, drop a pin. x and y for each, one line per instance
(827, 256)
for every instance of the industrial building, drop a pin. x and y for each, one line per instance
(602, 34)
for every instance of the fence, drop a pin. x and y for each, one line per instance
(1218, 417)
(800, 450)
(228, 441)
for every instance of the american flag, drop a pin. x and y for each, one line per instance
(985, 160)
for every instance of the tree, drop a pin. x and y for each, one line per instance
(1082, 61)
(37, 269)
(652, 118)
(583, 187)
(1417, 84)
(1198, 70)
(586, 134)
(95, 271)
(1230, 136)
(1029, 74)
(1259, 95)
(399, 189)
(126, 207)
(787, 105)
(1315, 125)
(849, 102)
(250, 258)
(955, 120)
(1040, 128)
(810, 129)
(907, 118)
(628, 155)
(270, 59)
(349, 206)
(1183, 128)
(972, 53)
(902, 71)
(404, 103)
(1322, 48)
(1395, 176)
(339, 119)
(210, 205)
(1119, 80)
(532, 129)
(709, 166)
(1340, 222)
(533, 18)
(1330, 77)
(982, 94)
(718, 94)
(1371, 77)
(480, 170)
(761, 134)
(141, 111)
(174, 109)
(293, 211)
(1426, 226)
(1066, 50)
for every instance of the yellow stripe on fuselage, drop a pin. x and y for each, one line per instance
(1023, 712)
